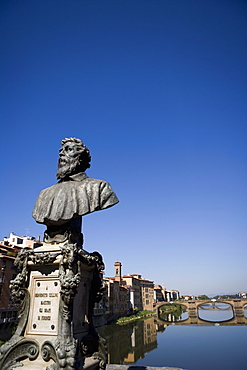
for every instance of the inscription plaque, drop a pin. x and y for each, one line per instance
(44, 309)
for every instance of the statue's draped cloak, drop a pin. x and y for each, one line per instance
(77, 196)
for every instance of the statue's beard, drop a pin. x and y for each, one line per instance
(67, 166)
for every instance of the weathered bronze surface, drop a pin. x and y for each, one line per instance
(62, 205)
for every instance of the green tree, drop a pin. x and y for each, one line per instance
(203, 296)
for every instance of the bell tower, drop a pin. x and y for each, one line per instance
(118, 273)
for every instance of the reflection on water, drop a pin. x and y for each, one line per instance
(173, 313)
(215, 311)
(215, 316)
(174, 343)
(170, 317)
(128, 343)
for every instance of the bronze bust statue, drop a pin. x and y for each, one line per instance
(61, 206)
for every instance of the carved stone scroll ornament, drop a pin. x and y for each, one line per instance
(43, 258)
(62, 355)
(25, 348)
(70, 277)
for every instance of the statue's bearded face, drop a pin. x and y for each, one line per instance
(69, 160)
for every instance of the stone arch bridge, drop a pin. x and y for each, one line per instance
(237, 306)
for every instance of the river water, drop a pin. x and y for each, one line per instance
(218, 344)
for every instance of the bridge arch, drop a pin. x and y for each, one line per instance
(215, 305)
(215, 311)
(236, 305)
(213, 302)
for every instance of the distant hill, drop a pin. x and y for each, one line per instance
(221, 294)
(211, 295)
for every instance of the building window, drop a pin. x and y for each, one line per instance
(2, 278)
(147, 302)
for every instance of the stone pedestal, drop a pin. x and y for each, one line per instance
(57, 286)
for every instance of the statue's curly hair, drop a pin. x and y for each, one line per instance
(83, 152)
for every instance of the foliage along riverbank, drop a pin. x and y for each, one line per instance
(170, 308)
(175, 309)
(140, 315)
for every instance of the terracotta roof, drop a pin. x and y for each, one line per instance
(132, 275)
(149, 281)
(10, 247)
(6, 256)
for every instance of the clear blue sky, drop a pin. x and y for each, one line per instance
(157, 90)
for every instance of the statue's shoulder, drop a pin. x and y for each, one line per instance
(95, 181)
(103, 192)
(49, 190)
(102, 185)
